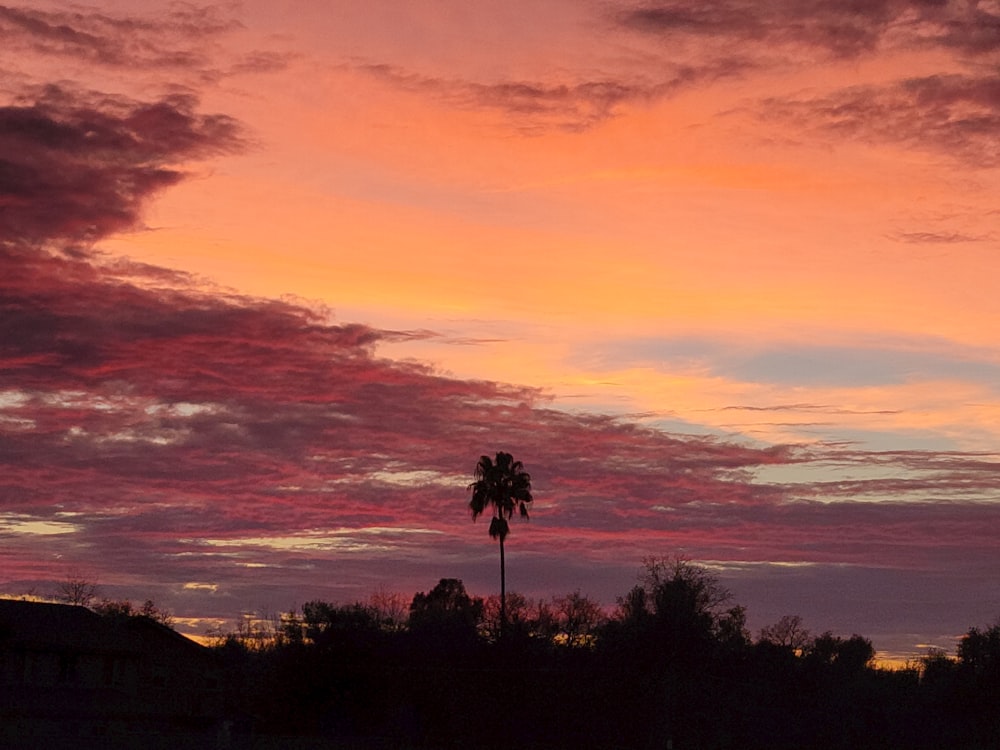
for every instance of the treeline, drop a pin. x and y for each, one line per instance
(672, 666)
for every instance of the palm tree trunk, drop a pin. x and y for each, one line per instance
(503, 593)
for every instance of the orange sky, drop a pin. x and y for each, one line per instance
(695, 214)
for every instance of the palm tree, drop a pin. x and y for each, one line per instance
(504, 485)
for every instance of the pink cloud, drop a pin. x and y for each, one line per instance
(164, 421)
(152, 416)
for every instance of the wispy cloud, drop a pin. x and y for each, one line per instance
(836, 28)
(936, 238)
(809, 409)
(91, 36)
(953, 114)
(535, 107)
(954, 111)
(180, 38)
(704, 43)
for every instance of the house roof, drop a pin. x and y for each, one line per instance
(27, 624)
(46, 626)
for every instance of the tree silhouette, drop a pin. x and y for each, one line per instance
(787, 632)
(77, 590)
(503, 485)
(578, 618)
(447, 613)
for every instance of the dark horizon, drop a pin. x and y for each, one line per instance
(675, 666)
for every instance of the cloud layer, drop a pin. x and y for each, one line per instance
(142, 411)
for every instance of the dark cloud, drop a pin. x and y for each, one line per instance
(970, 28)
(707, 42)
(839, 29)
(842, 30)
(77, 166)
(951, 113)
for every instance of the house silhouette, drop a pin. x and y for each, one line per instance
(72, 678)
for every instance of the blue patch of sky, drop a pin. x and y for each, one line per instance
(796, 364)
(850, 366)
(899, 440)
(831, 470)
(668, 423)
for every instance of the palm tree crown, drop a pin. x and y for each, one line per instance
(505, 486)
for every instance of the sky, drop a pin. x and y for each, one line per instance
(723, 275)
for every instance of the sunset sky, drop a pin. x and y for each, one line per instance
(724, 275)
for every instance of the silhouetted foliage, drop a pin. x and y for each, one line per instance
(328, 625)
(676, 612)
(979, 667)
(979, 651)
(525, 619)
(576, 619)
(77, 590)
(673, 663)
(787, 632)
(446, 611)
(125, 608)
(850, 655)
(389, 609)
